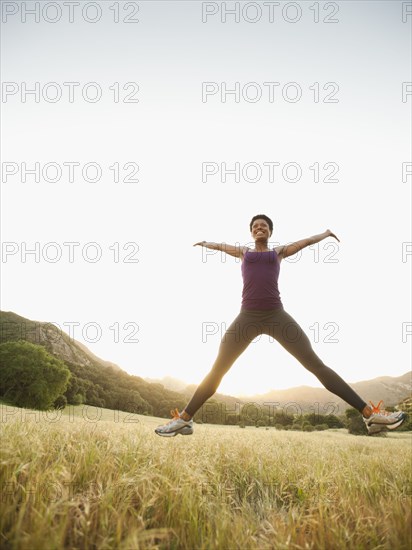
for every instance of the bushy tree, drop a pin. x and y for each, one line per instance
(321, 427)
(131, 401)
(60, 402)
(406, 406)
(354, 422)
(30, 376)
(308, 428)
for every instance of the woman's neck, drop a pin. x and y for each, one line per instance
(262, 247)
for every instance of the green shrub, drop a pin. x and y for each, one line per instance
(60, 402)
(320, 427)
(308, 428)
(355, 423)
(30, 376)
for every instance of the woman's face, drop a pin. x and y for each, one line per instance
(260, 230)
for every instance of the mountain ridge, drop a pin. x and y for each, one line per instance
(55, 340)
(391, 390)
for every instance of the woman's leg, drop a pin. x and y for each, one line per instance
(287, 332)
(234, 342)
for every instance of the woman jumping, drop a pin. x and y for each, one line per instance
(262, 312)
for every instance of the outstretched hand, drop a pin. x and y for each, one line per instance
(199, 244)
(330, 234)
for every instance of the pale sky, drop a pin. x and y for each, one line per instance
(307, 122)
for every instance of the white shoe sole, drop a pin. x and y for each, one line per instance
(376, 428)
(186, 430)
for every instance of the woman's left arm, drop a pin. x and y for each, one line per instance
(291, 249)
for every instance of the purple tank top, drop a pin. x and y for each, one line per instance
(260, 272)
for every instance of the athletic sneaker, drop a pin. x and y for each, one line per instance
(175, 426)
(383, 421)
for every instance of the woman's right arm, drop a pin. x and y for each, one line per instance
(236, 251)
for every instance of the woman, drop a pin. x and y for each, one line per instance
(262, 312)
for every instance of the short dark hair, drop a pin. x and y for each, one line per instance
(262, 217)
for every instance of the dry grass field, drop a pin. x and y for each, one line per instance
(89, 478)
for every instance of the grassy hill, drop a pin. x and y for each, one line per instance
(93, 381)
(100, 383)
(97, 382)
(57, 342)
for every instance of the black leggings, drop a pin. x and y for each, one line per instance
(278, 324)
